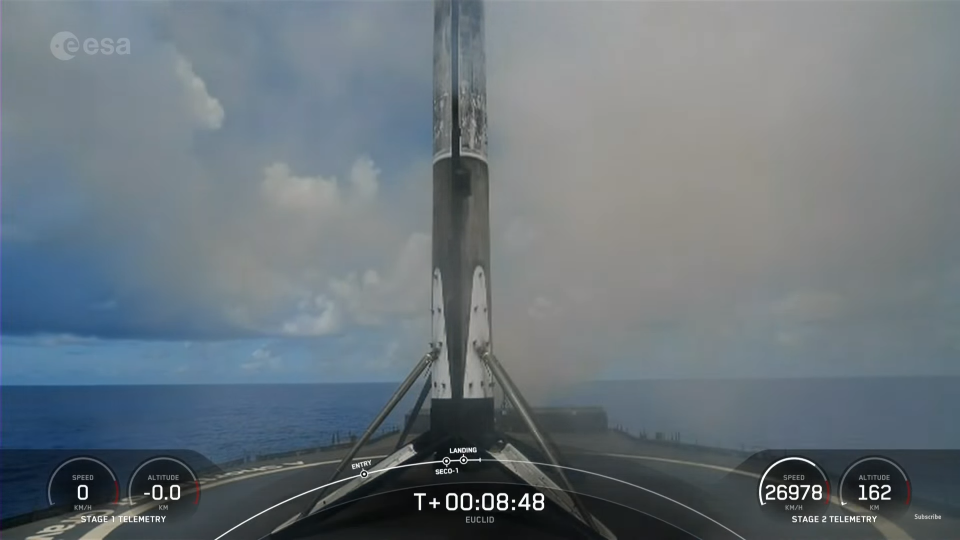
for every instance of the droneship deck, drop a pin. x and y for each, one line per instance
(709, 492)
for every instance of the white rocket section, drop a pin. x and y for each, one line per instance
(476, 376)
(441, 366)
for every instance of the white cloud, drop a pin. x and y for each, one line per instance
(402, 292)
(206, 109)
(263, 359)
(320, 197)
(290, 192)
(317, 317)
(364, 178)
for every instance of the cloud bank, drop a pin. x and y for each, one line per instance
(679, 189)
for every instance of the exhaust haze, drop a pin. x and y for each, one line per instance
(725, 189)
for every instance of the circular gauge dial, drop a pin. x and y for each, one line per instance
(167, 484)
(877, 485)
(794, 486)
(82, 483)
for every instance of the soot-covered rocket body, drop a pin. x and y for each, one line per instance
(462, 385)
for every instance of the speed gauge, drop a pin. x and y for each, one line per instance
(82, 483)
(794, 486)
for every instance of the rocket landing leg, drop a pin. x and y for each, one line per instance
(518, 464)
(489, 442)
(465, 375)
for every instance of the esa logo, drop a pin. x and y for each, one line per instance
(65, 45)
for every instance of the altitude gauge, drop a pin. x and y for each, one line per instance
(794, 486)
(82, 483)
(877, 485)
(167, 484)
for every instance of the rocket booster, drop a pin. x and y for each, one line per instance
(461, 215)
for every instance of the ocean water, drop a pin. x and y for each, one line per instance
(230, 422)
(222, 422)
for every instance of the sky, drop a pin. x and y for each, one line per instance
(678, 190)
